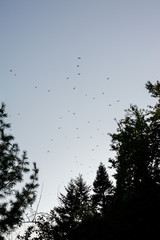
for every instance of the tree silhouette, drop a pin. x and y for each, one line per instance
(13, 200)
(103, 189)
(62, 222)
(74, 208)
(137, 162)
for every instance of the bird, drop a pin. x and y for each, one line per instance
(77, 65)
(107, 78)
(79, 73)
(79, 57)
(10, 70)
(118, 100)
(110, 105)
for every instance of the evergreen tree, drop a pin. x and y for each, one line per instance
(137, 145)
(103, 189)
(13, 202)
(137, 164)
(74, 208)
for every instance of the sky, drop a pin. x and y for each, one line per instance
(68, 68)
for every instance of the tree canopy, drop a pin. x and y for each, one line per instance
(15, 195)
(131, 209)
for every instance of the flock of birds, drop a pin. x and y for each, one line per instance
(78, 128)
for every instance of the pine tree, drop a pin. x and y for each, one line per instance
(13, 200)
(137, 165)
(103, 189)
(74, 208)
(137, 145)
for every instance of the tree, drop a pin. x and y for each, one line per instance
(137, 145)
(102, 188)
(137, 165)
(63, 221)
(74, 208)
(13, 202)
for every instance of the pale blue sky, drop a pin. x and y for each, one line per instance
(63, 123)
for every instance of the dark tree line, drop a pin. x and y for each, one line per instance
(128, 210)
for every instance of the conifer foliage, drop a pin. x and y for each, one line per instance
(102, 188)
(13, 200)
(74, 207)
(130, 209)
